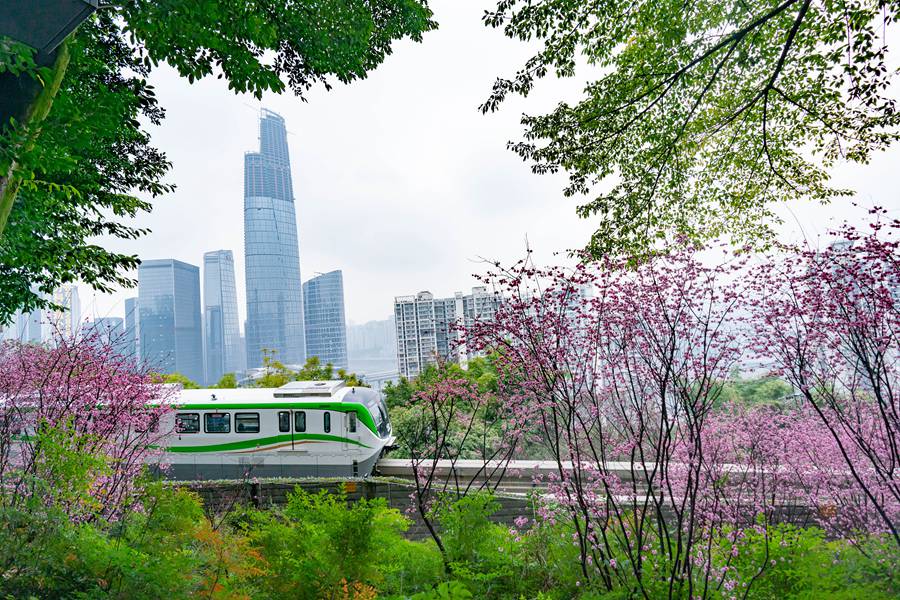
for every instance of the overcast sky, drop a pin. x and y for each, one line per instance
(399, 181)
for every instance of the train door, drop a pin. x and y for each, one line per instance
(351, 431)
(286, 424)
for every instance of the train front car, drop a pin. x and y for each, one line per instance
(303, 429)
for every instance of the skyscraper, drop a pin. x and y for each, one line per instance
(271, 249)
(220, 314)
(326, 327)
(169, 317)
(132, 329)
(66, 323)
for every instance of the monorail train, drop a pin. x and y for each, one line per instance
(303, 429)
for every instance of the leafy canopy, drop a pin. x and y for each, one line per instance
(276, 373)
(257, 44)
(704, 114)
(82, 177)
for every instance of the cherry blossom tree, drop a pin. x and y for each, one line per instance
(451, 421)
(830, 320)
(76, 408)
(609, 362)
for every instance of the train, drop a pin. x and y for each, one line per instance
(302, 429)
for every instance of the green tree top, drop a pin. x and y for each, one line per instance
(228, 381)
(702, 115)
(186, 383)
(277, 374)
(261, 45)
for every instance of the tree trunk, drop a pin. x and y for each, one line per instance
(34, 115)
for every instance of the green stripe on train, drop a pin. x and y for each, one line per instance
(254, 443)
(361, 411)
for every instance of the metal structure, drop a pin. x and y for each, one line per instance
(44, 24)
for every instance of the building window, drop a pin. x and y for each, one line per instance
(187, 423)
(352, 426)
(246, 422)
(327, 422)
(300, 421)
(217, 423)
(284, 421)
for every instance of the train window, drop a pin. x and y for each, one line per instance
(300, 421)
(246, 422)
(187, 423)
(284, 421)
(217, 423)
(352, 426)
(327, 422)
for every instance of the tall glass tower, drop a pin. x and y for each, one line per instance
(220, 315)
(326, 328)
(132, 327)
(271, 250)
(169, 317)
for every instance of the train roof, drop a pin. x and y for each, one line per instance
(291, 393)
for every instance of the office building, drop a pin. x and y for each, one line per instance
(169, 317)
(220, 315)
(271, 249)
(325, 324)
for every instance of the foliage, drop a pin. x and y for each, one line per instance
(313, 370)
(479, 370)
(276, 373)
(321, 546)
(228, 381)
(700, 116)
(756, 391)
(319, 543)
(178, 378)
(257, 45)
(78, 424)
(80, 179)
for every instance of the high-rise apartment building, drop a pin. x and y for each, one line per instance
(428, 328)
(220, 314)
(132, 329)
(271, 249)
(169, 317)
(325, 324)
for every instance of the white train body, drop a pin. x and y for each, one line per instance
(304, 429)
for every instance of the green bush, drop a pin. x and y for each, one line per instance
(324, 546)
(319, 543)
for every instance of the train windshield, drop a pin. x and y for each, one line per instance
(379, 413)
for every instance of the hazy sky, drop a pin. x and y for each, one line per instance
(399, 180)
